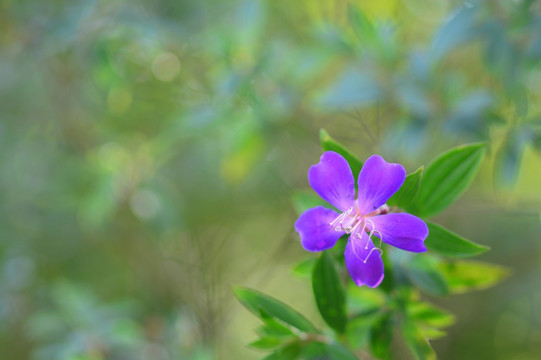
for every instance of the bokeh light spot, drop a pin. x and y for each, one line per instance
(166, 66)
(145, 204)
(112, 157)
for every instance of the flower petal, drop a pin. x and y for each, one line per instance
(404, 231)
(378, 181)
(315, 231)
(333, 180)
(369, 273)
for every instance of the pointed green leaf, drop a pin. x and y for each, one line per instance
(447, 243)
(417, 342)
(272, 327)
(288, 352)
(425, 314)
(329, 293)
(406, 194)
(254, 301)
(463, 276)
(329, 144)
(266, 343)
(305, 268)
(433, 334)
(446, 178)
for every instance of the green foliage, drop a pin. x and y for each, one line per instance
(446, 178)
(256, 302)
(304, 268)
(371, 317)
(288, 352)
(329, 293)
(417, 342)
(337, 351)
(381, 336)
(463, 276)
(423, 271)
(428, 319)
(266, 343)
(445, 242)
(361, 26)
(359, 329)
(407, 192)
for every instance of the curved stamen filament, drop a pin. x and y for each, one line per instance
(355, 232)
(354, 244)
(370, 253)
(373, 228)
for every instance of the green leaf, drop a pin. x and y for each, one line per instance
(254, 301)
(406, 194)
(423, 271)
(425, 314)
(288, 352)
(381, 336)
(445, 242)
(272, 327)
(359, 329)
(313, 350)
(305, 268)
(266, 343)
(417, 342)
(463, 276)
(329, 293)
(329, 144)
(433, 334)
(446, 178)
(364, 299)
(307, 199)
(338, 351)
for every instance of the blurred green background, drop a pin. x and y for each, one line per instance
(149, 150)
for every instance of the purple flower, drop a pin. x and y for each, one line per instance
(361, 218)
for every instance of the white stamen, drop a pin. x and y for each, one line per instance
(370, 253)
(355, 232)
(371, 232)
(337, 224)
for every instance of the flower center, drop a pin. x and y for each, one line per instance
(351, 222)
